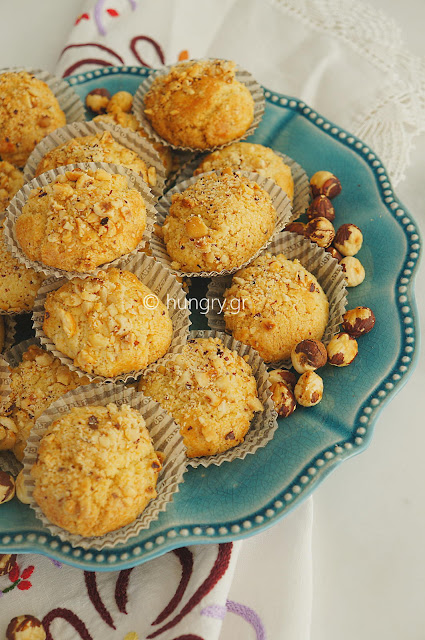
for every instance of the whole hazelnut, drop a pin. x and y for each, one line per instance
(358, 321)
(283, 375)
(308, 355)
(7, 562)
(7, 487)
(342, 350)
(97, 100)
(321, 207)
(321, 231)
(325, 183)
(334, 253)
(25, 627)
(21, 489)
(296, 227)
(8, 431)
(283, 398)
(353, 271)
(348, 239)
(120, 101)
(309, 389)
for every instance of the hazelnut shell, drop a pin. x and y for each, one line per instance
(321, 207)
(359, 321)
(308, 355)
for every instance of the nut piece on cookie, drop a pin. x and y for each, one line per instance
(11, 180)
(342, 350)
(309, 389)
(308, 355)
(321, 207)
(29, 111)
(7, 562)
(348, 239)
(325, 183)
(7, 487)
(359, 321)
(8, 432)
(25, 627)
(321, 231)
(97, 100)
(296, 227)
(283, 398)
(353, 271)
(283, 375)
(21, 489)
(199, 104)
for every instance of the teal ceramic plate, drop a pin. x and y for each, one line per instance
(237, 500)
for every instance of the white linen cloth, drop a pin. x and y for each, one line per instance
(301, 48)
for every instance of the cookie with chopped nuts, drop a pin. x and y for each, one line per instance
(218, 223)
(246, 156)
(129, 121)
(81, 220)
(29, 111)
(109, 325)
(101, 147)
(11, 180)
(36, 383)
(199, 104)
(211, 393)
(96, 469)
(18, 284)
(273, 304)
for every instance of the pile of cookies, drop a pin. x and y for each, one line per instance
(105, 313)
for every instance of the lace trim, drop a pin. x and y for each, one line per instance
(391, 124)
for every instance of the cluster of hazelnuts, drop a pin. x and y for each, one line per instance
(309, 355)
(342, 244)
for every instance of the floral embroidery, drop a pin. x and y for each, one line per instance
(19, 579)
(83, 16)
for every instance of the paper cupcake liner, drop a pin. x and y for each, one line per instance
(263, 425)
(68, 99)
(166, 438)
(126, 137)
(154, 276)
(280, 202)
(301, 182)
(319, 262)
(9, 331)
(14, 210)
(241, 75)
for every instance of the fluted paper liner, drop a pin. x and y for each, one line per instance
(301, 198)
(263, 425)
(319, 262)
(166, 438)
(125, 137)
(279, 199)
(241, 75)
(154, 276)
(14, 210)
(69, 100)
(12, 357)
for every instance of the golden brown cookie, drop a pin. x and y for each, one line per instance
(11, 180)
(110, 324)
(246, 156)
(129, 121)
(218, 223)
(81, 220)
(36, 383)
(29, 111)
(273, 304)
(210, 392)
(101, 147)
(199, 104)
(96, 469)
(18, 283)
